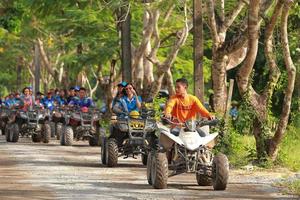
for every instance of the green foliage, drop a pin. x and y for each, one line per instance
(291, 186)
(289, 152)
(240, 149)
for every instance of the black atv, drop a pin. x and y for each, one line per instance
(130, 135)
(33, 122)
(4, 113)
(81, 124)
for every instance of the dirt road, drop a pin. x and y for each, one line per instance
(51, 171)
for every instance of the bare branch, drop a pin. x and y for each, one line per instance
(291, 71)
(212, 22)
(232, 16)
(270, 57)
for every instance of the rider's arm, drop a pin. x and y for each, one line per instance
(118, 108)
(169, 107)
(201, 109)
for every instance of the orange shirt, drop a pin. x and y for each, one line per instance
(185, 108)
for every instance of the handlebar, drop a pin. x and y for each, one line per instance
(203, 122)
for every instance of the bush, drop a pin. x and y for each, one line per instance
(289, 151)
(240, 149)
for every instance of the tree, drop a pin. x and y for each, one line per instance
(260, 102)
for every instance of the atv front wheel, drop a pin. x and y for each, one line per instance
(149, 165)
(68, 133)
(112, 152)
(58, 130)
(103, 151)
(46, 133)
(14, 132)
(220, 172)
(203, 180)
(159, 170)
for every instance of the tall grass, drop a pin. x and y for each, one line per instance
(289, 153)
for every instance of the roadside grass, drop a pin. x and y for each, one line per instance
(290, 187)
(289, 152)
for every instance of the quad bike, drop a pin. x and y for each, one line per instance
(57, 120)
(32, 122)
(130, 135)
(4, 113)
(81, 123)
(183, 150)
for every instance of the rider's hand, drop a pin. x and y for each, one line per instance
(168, 116)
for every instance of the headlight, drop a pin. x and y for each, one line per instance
(23, 115)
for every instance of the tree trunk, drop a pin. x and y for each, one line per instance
(259, 139)
(198, 50)
(37, 68)
(219, 84)
(291, 72)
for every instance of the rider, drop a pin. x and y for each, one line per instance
(10, 101)
(61, 98)
(71, 94)
(120, 93)
(82, 101)
(48, 101)
(183, 106)
(27, 99)
(129, 102)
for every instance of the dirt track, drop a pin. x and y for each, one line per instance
(51, 171)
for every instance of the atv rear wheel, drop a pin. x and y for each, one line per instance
(68, 136)
(203, 180)
(62, 136)
(144, 159)
(14, 132)
(220, 172)
(159, 170)
(58, 130)
(36, 137)
(103, 150)
(7, 132)
(149, 164)
(94, 141)
(53, 127)
(112, 152)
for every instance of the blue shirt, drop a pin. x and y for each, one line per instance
(60, 100)
(48, 103)
(10, 102)
(85, 102)
(130, 104)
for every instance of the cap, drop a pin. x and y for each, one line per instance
(123, 84)
(76, 88)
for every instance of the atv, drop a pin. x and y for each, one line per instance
(187, 148)
(130, 135)
(81, 123)
(32, 122)
(4, 113)
(57, 120)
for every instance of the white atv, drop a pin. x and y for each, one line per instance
(187, 148)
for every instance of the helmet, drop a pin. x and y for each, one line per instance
(134, 114)
(84, 109)
(123, 84)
